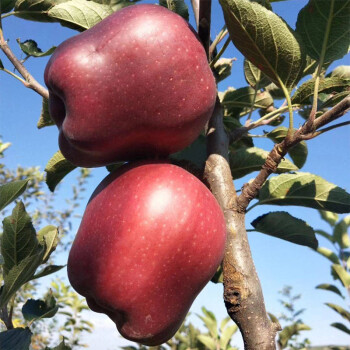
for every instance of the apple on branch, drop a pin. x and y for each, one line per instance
(135, 85)
(151, 237)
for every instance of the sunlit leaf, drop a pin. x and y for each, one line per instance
(341, 311)
(48, 237)
(329, 217)
(222, 69)
(340, 233)
(342, 275)
(289, 331)
(282, 225)
(208, 341)
(304, 189)
(45, 118)
(265, 40)
(340, 72)
(329, 254)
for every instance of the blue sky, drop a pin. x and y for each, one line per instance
(278, 263)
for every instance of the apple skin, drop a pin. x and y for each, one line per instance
(150, 239)
(135, 85)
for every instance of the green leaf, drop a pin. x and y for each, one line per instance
(48, 238)
(36, 10)
(10, 191)
(30, 48)
(15, 339)
(329, 217)
(56, 169)
(254, 76)
(37, 309)
(19, 238)
(246, 160)
(341, 327)
(330, 288)
(342, 274)
(19, 275)
(265, 40)
(304, 189)
(275, 91)
(7, 5)
(222, 69)
(238, 102)
(195, 153)
(218, 276)
(305, 92)
(210, 322)
(324, 27)
(207, 341)
(48, 270)
(342, 312)
(1, 65)
(45, 118)
(289, 331)
(340, 233)
(340, 72)
(226, 335)
(79, 14)
(298, 153)
(61, 346)
(329, 254)
(177, 6)
(325, 235)
(282, 225)
(334, 99)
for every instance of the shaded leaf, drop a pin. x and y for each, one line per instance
(45, 118)
(246, 160)
(238, 102)
(218, 276)
(177, 6)
(325, 24)
(334, 99)
(10, 191)
(265, 40)
(304, 189)
(37, 309)
(15, 339)
(114, 167)
(19, 238)
(254, 76)
(56, 169)
(19, 275)
(282, 225)
(298, 153)
(329, 254)
(341, 311)
(30, 48)
(329, 217)
(222, 69)
(7, 5)
(341, 327)
(48, 270)
(341, 274)
(330, 288)
(275, 91)
(327, 85)
(196, 152)
(79, 14)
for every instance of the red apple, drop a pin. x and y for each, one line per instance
(151, 237)
(135, 85)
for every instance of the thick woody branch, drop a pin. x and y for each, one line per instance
(307, 131)
(242, 290)
(30, 82)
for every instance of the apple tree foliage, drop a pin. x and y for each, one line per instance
(281, 63)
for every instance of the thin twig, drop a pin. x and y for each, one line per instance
(29, 80)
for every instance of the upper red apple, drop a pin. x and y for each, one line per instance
(151, 237)
(135, 85)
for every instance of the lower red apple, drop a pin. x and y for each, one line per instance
(151, 237)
